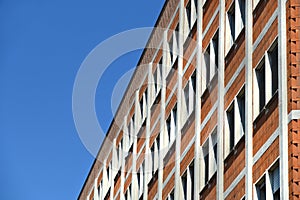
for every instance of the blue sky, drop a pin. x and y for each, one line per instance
(42, 44)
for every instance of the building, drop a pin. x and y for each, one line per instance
(222, 123)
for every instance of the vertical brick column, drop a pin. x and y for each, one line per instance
(293, 71)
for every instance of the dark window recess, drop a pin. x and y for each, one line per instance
(273, 58)
(168, 122)
(171, 50)
(139, 178)
(261, 190)
(99, 191)
(260, 74)
(216, 151)
(158, 142)
(152, 149)
(206, 168)
(188, 13)
(175, 114)
(196, 5)
(193, 79)
(184, 184)
(242, 7)
(172, 195)
(241, 104)
(230, 117)
(215, 42)
(231, 18)
(146, 95)
(191, 169)
(275, 182)
(207, 65)
(141, 105)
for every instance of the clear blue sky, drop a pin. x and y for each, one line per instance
(42, 44)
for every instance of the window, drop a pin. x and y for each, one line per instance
(187, 180)
(269, 185)
(171, 195)
(235, 123)
(193, 79)
(255, 2)
(99, 191)
(230, 28)
(213, 149)
(184, 184)
(186, 99)
(206, 167)
(191, 171)
(260, 75)
(235, 22)
(143, 104)
(230, 119)
(128, 193)
(154, 155)
(168, 123)
(240, 15)
(157, 78)
(273, 63)
(261, 190)
(275, 183)
(210, 61)
(210, 157)
(189, 97)
(188, 14)
(215, 49)
(171, 125)
(265, 79)
(241, 106)
(171, 46)
(190, 17)
(131, 132)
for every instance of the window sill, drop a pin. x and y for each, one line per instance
(235, 47)
(107, 194)
(152, 181)
(172, 71)
(260, 6)
(190, 37)
(212, 84)
(208, 186)
(141, 130)
(129, 154)
(141, 196)
(234, 153)
(171, 150)
(156, 102)
(187, 124)
(117, 176)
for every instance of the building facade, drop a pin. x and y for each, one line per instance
(212, 111)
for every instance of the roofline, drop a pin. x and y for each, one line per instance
(126, 91)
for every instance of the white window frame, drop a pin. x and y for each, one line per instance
(266, 178)
(238, 129)
(269, 79)
(171, 133)
(190, 17)
(209, 149)
(210, 61)
(235, 22)
(189, 97)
